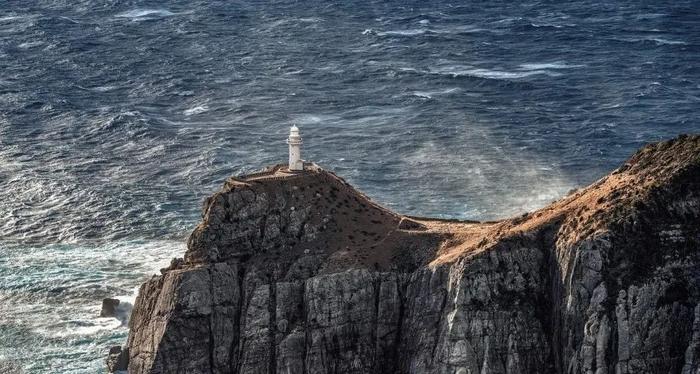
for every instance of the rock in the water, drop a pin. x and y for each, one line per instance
(109, 307)
(301, 273)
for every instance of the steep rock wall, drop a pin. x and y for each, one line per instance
(303, 274)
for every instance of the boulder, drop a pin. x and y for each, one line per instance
(109, 307)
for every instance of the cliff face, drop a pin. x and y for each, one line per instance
(303, 274)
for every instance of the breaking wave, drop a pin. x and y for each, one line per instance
(56, 297)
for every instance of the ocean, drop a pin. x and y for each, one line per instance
(117, 118)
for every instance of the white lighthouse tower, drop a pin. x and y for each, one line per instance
(294, 141)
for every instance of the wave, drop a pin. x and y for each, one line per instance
(431, 94)
(10, 18)
(668, 42)
(314, 119)
(656, 40)
(410, 32)
(440, 30)
(32, 44)
(546, 25)
(78, 328)
(51, 297)
(94, 196)
(537, 23)
(457, 30)
(649, 16)
(466, 71)
(65, 328)
(103, 88)
(552, 69)
(15, 18)
(139, 14)
(126, 123)
(29, 285)
(196, 110)
(310, 20)
(17, 23)
(548, 65)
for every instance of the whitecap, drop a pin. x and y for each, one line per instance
(666, 41)
(431, 94)
(550, 65)
(69, 20)
(508, 20)
(310, 20)
(28, 45)
(462, 29)
(103, 88)
(411, 70)
(145, 13)
(465, 71)
(97, 325)
(75, 328)
(610, 106)
(10, 18)
(411, 32)
(196, 110)
(538, 25)
(658, 41)
(648, 16)
(424, 95)
(310, 119)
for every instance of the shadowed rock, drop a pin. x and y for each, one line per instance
(109, 307)
(117, 359)
(303, 274)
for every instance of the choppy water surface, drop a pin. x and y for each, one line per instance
(117, 118)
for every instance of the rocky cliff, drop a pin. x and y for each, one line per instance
(300, 273)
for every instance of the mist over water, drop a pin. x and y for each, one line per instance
(117, 119)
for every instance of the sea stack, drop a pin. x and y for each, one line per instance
(109, 307)
(302, 273)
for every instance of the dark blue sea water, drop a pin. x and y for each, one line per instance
(118, 117)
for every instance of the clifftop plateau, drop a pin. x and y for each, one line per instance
(301, 273)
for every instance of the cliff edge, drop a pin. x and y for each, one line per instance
(301, 273)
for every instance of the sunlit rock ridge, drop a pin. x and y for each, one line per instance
(301, 273)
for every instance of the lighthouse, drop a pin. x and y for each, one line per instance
(294, 141)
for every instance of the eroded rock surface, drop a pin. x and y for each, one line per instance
(303, 274)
